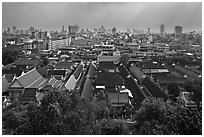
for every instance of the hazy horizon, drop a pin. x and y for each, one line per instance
(122, 15)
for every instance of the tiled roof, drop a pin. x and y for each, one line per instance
(159, 75)
(123, 71)
(63, 65)
(186, 71)
(28, 78)
(108, 58)
(38, 83)
(87, 90)
(196, 70)
(58, 77)
(70, 84)
(165, 80)
(108, 78)
(149, 65)
(78, 71)
(52, 72)
(153, 88)
(137, 73)
(106, 65)
(29, 94)
(118, 98)
(138, 96)
(92, 71)
(27, 62)
(54, 82)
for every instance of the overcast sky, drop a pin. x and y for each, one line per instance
(52, 16)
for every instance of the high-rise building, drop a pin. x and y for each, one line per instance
(14, 29)
(114, 31)
(8, 30)
(129, 31)
(162, 29)
(32, 31)
(62, 29)
(178, 29)
(102, 29)
(95, 30)
(148, 30)
(73, 29)
(33, 34)
(21, 32)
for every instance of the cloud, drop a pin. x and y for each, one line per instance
(109, 14)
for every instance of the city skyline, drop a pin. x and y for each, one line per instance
(122, 15)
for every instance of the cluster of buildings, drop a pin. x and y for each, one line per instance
(90, 64)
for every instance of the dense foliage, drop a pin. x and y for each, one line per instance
(173, 89)
(10, 55)
(164, 118)
(65, 113)
(196, 90)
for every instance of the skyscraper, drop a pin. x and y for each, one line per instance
(162, 29)
(148, 30)
(62, 29)
(114, 31)
(14, 29)
(102, 29)
(73, 29)
(178, 29)
(8, 30)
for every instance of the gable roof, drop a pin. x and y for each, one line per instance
(185, 98)
(138, 96)
(87, 90)
(92, 71)
(153, 88)
(40, 82)
(137, 73)
(70, 84)
(28, 78)
(78, 71)
(54, 82)
(123, 71)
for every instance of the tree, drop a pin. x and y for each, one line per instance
(159, 117)
(196, 93)
(7, 56)
(124, 59)
(10, 55)
(44, 59)
(173, 89)
(197, 97)
(110, 127)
